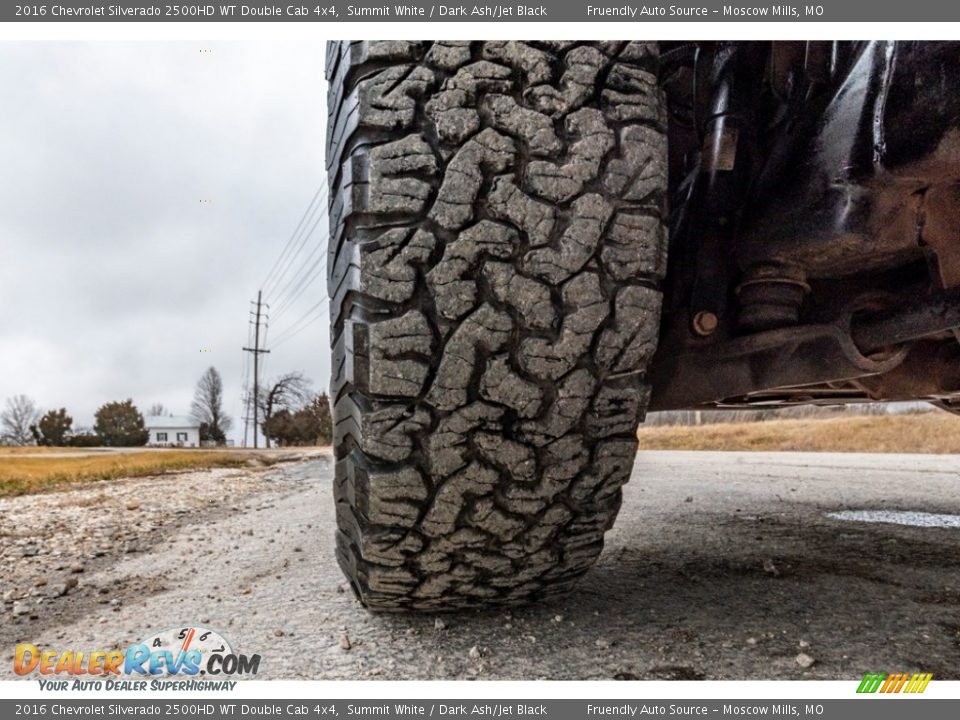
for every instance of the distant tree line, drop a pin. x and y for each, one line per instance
(118, 424)
(290, 413)
(797, 412)
(293, 414)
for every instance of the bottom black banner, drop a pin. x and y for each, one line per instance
(872, 708)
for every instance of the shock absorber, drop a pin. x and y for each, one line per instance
(723, 182)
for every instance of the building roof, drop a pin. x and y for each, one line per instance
(161, 422)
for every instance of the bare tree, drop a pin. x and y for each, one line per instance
(18, 415)
(207, 407)
(157, 409)
(288, 392)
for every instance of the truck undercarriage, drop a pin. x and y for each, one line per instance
(814, 226)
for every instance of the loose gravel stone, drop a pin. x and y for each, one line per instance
(640, 593)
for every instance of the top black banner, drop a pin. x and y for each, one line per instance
(578, 11)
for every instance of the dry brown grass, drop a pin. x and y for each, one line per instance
(44, 450)
(936, 432)
(29, 470)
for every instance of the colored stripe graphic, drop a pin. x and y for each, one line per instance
(870, 683)
(894, 683)
(922, 680)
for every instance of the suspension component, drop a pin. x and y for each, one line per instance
(771, 297)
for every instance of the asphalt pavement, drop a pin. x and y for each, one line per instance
(721, 566)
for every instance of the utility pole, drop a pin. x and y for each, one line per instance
(257, 352)
(245, 395)
(246, 411)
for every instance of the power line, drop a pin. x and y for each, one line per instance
(285, 288)
(293, 330)
(316, 216)
(308, 325)
(303, 286)
(310, 274)
(298, 276)
(286, 247)
(297, 322)
(304, 236)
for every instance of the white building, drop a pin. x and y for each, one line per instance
(172, 431)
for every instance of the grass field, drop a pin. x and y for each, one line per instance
(935, 432)
(29, 470)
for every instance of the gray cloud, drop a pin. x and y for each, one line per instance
(113, 274)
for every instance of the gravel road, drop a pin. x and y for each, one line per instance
(721, 565)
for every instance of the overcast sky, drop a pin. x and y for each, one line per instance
(114, 276)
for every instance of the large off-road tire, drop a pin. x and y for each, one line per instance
(496, 247)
